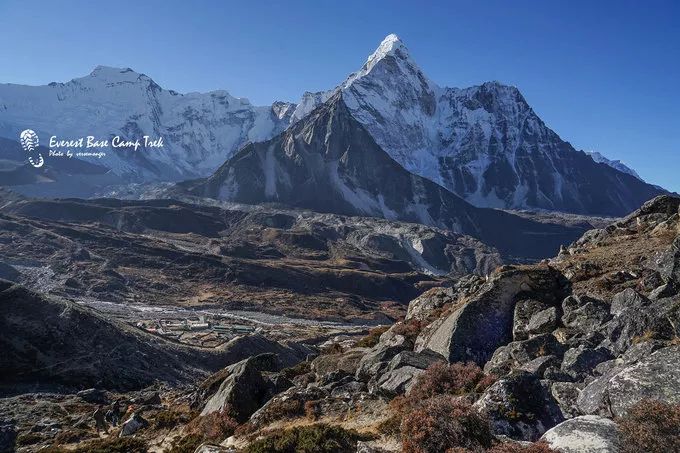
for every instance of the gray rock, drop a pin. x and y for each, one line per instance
(519, 353)
(543, 322)
(540, 364)
(378, 358)
(524, 311)
(245, 389)
(667, 263)
(399, 381)
(566, 395)
(625, 300)
(94, 396)
(581, 361)
(423, 306)
(421, 360)
(585, 434)
(474, 331)
(654, 377)
(519, 406)
(584, 313)
(212, 448)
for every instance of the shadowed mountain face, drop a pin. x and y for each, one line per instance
(328, 162)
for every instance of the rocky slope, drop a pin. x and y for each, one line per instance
(569, 349)
(329, 163)
(53, 342)
(484, 143)
(199, 130)
(275, 260)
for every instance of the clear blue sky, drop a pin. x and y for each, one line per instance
(605, 75)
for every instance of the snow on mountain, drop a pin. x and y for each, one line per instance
(328, 162)
(200, 130)
(484, 143)
(617, 164)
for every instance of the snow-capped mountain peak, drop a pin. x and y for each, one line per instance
(484, 143)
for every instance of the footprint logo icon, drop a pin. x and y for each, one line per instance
(29, 141)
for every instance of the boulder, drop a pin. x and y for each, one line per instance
(584, 313)
(581, 361)
(377, 359)
(420, 360)
(660, 320)
(524, 311)
(398, 381)
(94, 396)
(132, 425)
(656, 377)
(212, 448)
(667, 263)
(543, 322)
(484, 322)
(519, 406)
(585, 434)
(566, 395)
(519, 353)
(422, 307)
(245, 388)
(627, 299)
(540, 364)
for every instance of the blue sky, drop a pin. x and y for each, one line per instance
(604, 75)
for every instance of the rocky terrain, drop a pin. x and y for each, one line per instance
(577, 353)
(280, 261)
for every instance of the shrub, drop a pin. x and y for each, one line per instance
(409, 329)
(28, 439)
(372, 338)
(169, 419)
(115, 445)
(455, 379)
(71, 436)
(650, 427)
(308, 439)
(214, 426)
(312, 409)
(442, 423)
(187, 444)
(278, 409)
(515, 447)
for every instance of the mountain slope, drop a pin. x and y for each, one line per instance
(484, 143)
(199, 130)
(328, 162)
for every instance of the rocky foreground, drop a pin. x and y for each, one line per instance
(580, 353)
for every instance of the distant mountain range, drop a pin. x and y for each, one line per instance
(483, 143)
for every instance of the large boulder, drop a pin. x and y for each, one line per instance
(377, 359)
(484, 322)
(667, 263)
(519, 406)
(656, 377)
(585, 434)
(132, 425)
(524, 311)
(519, 353)
(245, 388)
(584, 313)
(581, 361)
(401, 372)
